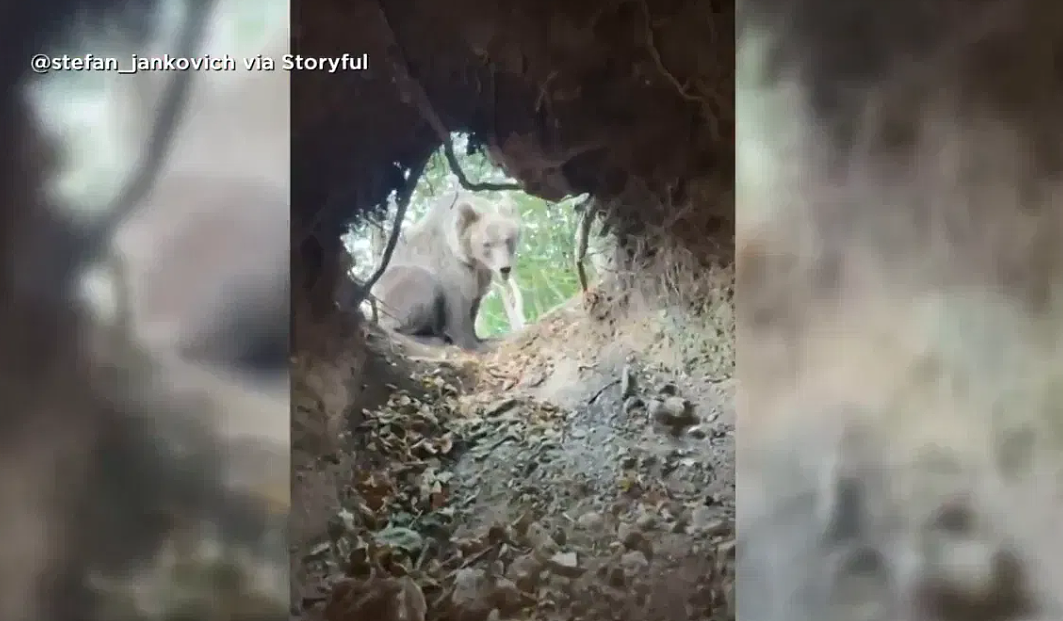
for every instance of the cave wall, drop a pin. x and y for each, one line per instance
(629, 100)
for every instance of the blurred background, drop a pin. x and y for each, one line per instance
(189, 304)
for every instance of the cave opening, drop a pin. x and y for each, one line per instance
(589, 455)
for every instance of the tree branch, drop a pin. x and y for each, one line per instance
(412, 92)
(402, 201)
(166, 122)
(581, 239)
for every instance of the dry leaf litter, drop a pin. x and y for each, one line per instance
(575, 477)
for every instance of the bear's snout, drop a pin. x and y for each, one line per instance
(504, 271)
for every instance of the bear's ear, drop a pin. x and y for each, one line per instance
(465, 215)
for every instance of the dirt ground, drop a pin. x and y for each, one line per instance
(584, 469)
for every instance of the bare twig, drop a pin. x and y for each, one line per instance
(158, 146)
(656, 56)
(378, 237)
(601, 390)
(412, 92)
(379, 309)
(544, 97)
(402, 201)
(680, 88)
(589, 210)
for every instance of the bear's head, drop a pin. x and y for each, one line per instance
(488, 238)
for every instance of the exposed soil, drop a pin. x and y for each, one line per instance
(582, 470)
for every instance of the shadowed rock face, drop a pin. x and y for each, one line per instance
(104, 452)
(899, 231)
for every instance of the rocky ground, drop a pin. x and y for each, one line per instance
(583, 470)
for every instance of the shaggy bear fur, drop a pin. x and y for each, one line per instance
(463, 244)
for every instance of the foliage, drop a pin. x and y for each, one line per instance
(544, 271)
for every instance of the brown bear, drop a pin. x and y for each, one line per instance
(443, 266)
(416, 302)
